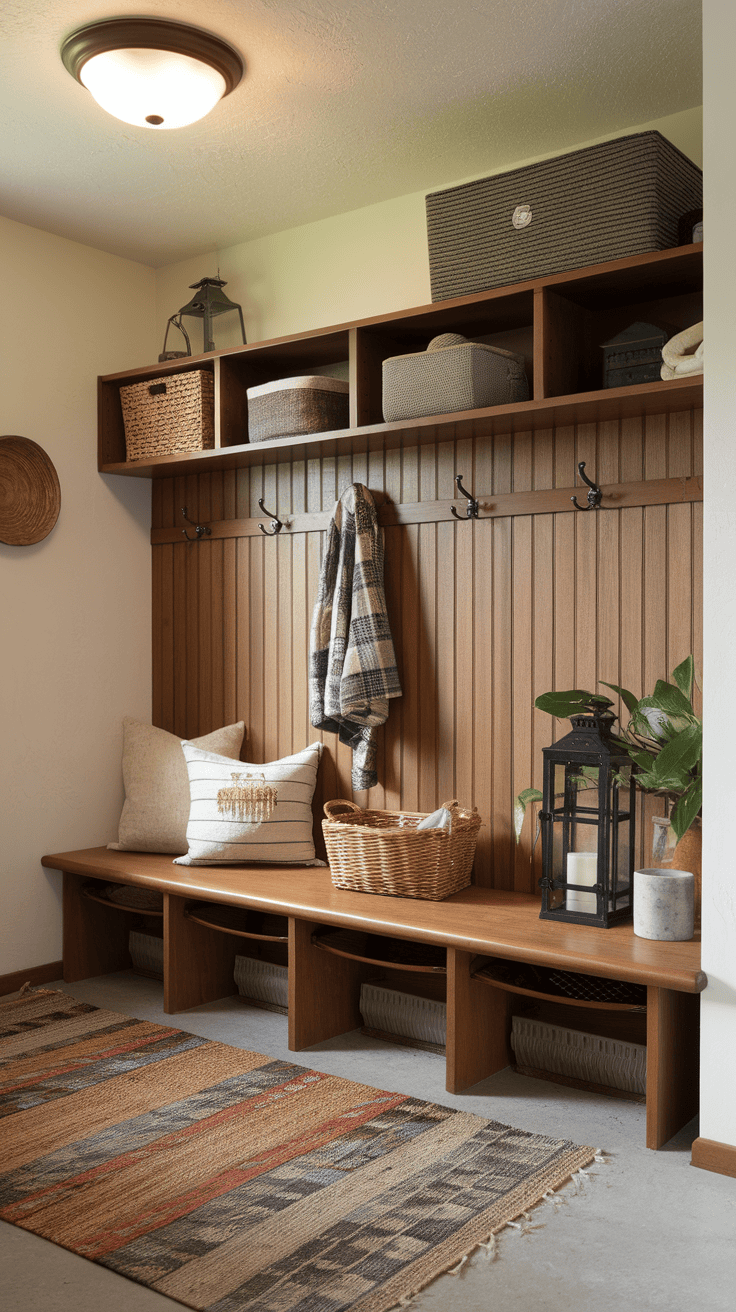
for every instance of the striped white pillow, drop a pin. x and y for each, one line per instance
(243, 813)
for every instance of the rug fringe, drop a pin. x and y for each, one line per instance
(27, 992)
(490, 1245)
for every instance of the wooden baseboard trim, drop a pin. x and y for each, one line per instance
(34, 975)
(710, 1155)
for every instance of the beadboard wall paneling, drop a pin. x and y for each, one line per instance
(485, 614)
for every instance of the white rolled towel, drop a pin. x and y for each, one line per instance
(683, 353)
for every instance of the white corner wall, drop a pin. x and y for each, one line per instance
(718, 1033)
(76, 649)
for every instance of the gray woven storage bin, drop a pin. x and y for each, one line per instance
(452, 374)
(262, 981)
(147, 953)
(621, 197)
(540, 1046)
(167, 415)
(403, 1014)
(291, 407)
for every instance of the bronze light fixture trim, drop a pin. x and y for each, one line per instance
(148, 53)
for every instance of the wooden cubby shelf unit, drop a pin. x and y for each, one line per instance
(558, 323)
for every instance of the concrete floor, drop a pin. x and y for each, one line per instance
(645, 1231)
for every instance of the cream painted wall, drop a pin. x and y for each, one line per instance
(76, 649)
(718, 1037)
(370, 261)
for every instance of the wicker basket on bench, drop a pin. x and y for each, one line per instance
(383, 852)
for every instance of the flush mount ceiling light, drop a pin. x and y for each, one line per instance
(150, 72)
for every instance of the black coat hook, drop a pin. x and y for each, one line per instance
(472, 507)
(276, 525)
(200, 530)
(595, 495)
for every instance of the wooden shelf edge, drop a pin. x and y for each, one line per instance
(522, 417)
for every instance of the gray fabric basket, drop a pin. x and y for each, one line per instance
(262, 981)
(290, 407)
(403, 1014)
(452, 374)
(619, 198)
(538, 1045)
(147, 953)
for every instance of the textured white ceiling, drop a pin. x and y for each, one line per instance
(342, 104)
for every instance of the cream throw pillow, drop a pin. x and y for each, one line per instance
(156, 806)
(250, 813)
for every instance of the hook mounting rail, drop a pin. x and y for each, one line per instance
(595, 496)
(472, 509)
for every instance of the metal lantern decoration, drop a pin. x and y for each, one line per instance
(208, 301)
(588, 824)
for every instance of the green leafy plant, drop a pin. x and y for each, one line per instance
(663, 738)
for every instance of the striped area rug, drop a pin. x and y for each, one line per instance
(231, 1182)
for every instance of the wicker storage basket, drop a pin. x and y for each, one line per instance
(382, 851)
(262, 981)
(612, 1063)
(290, 407)
(167, 415)
(621, 197)
(146, 953)
(403, 1014)
(452, 374)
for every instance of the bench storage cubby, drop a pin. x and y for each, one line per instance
(325, 984)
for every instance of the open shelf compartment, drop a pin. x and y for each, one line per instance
(558, 323)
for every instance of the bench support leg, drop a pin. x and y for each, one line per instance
(324, 990)
(477, 1025)
(95, 936)
(198, 962)
(673, 1034)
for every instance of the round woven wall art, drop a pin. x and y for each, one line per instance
(30, 495)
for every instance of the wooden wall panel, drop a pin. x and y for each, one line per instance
(485, 614)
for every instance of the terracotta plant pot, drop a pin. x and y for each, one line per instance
(688, 856)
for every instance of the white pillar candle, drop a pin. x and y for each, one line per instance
(582, 868)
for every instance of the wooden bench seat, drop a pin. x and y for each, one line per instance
(324, 989)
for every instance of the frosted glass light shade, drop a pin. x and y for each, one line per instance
(152, 88)
(152, 72)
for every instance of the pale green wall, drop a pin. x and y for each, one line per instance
(367, 262)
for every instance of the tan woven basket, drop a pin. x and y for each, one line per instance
(167, 415)
(382, 852)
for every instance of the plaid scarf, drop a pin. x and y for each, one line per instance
(352, 665)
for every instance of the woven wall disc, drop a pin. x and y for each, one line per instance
(30, 495)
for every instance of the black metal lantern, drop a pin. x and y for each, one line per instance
(588, 825)
(209, 301)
